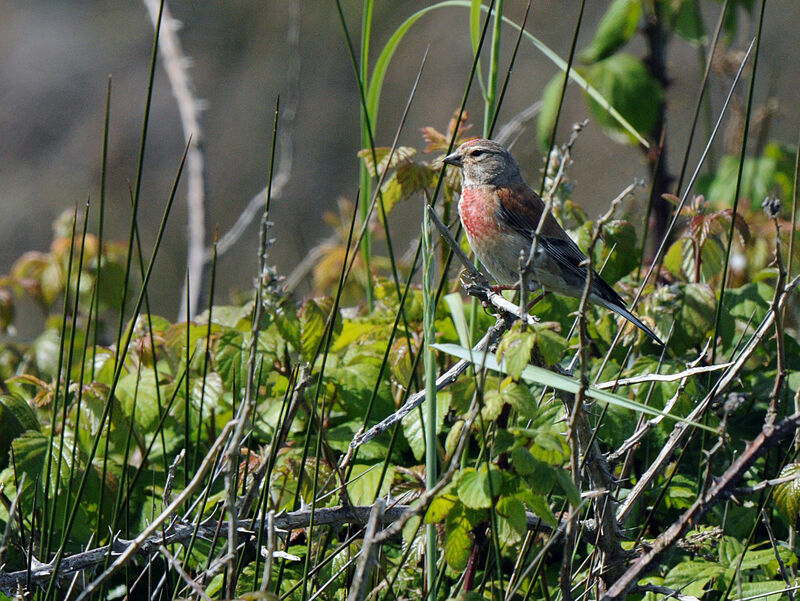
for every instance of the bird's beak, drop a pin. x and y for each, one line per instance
(453, 159)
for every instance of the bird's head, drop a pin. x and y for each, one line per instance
(484, 162)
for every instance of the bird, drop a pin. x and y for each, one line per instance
(500, 213)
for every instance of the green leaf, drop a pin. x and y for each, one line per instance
(759, 590)
(138, 395)
(695, 320)
(473, 489)
(764, 559)
(551, 345)
(453, 436)
(313, 315)
(619, 253)
(515, 350)
(413, 427)
(522, 460)
(787, 494)
(492, 405)
(568, 486)
(519, 397)
(759, 176)
(615, 29)
(401, 155)
(749, 303)
(439, 508)
(288, 325)
(539, 506)
(550, 447)
(629, 87)
(541, 477)
(691, 577)
(729, 550)
(16, 415)
(674, 257)
(409, 179)
(513, 523)
(503, 441)
(458, 541)
(365, 483)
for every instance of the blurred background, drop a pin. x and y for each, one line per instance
(56, 57)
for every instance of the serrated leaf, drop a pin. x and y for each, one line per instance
(492, 405)
(473, 489)
(515, 350)
(674, 257)
(617, 26)
(522, 460)
(568, 486)
(519, 397)
(414, 429)
(439, 508)
(453, 436)
(619, 253)
(458, 541)
(365, 483)
(696, 318)
(539, 506)
(288, 325)
(401, 153)
(512, 522)
(787, 494)
(550, 447)
(16, 417)
(759, 590)
(551, 345)
(691, 577)
(313, 315)
(138, 395)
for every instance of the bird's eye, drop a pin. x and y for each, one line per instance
(477, 153)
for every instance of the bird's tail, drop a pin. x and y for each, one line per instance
(633, 319)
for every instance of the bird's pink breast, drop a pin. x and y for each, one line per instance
(478, 218)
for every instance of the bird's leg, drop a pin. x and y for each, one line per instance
(497, 289)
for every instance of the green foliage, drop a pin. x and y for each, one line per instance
(90, 425)
(624, 81)
(787, 494)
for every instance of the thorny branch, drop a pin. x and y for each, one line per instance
(721, 489)
(728, 377)
(181, 532)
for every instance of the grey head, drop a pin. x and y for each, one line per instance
(484, 162)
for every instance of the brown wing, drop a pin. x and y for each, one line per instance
(521, 209)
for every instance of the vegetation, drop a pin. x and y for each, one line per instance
(255, 450)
